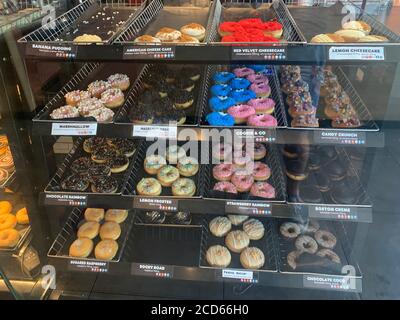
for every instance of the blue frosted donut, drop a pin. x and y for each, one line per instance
(220, 119)
(221, 103)
(257, 67)
(242, 96)
(240, 83)
(223, 77)
(220, 90)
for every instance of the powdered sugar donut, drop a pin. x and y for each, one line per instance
(241, 112)
(223, 172)
(262, 105)
(225, 186)
(242, 180)
(262, 190)
(262, 120)
(261, 89)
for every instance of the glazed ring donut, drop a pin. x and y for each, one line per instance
(188, 166)
(328, 253)
(183, 187)
(152, 164)
(149, 187)
(167, 175)
(7, 221)
(9, 238)
(81, 248)
(306, 244)
(325, 239)
(22, 216)
(5, 207)
(290, 230)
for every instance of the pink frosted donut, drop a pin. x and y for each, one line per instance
(223, 172)
(261, 89)
(261, 171)
(225, 187)
(262, 105)
(221, 151)
(257, 78)
(243, 72)
(241, 158)
(242, 180)
(262, 120)
(260, 151)
(262, 190)
(241, 112)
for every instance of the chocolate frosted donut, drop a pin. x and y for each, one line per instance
(155, 217)
(90, 144)
(124, 146)
(148, 97)
(103, 153)
(97, 170)
(81, 165)
(141, 115)
(118, 164)
(104, 185)
(185, 84)
(192, 73)
(75, 182)
(182, 218)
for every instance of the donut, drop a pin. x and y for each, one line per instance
(242, 96)
(243, 72)
(98, 169)
(239, 83)
(64, 112)
(168, 34)
(225, 186)
(292, 258)
(220, 226)
(221, 103)
(153, 163)
(90, 144)
(193, 73)
(250, 23)
(106, 249)
(182, 99)
(242, 180)
(149, 187)
(324, 238)
(222, 151)
(290, 230)
(155, 217)
(103, 153)
(220, 119)
(262, 190)
(222, 172)
(174, 153)
(7, 221)
(119, 81)
(261, 89)
(307, 244)
(5, 207)
(81, 248)
(237, 240)
(254, 229)
(273, 29)
(260, 151)
(262, 120)
(9, 238)
(146, 39)
(194, 30)
(262, 106)
(236, 219)
(118, 164)
(252, 258)
(22, 216)
(113, 98)
(184, 84)
(327, 253)
(241, 112)
(167, 175)
(223, 77)
(257, 78)
(298, 98)
(116, 215)
(295, 86)
(96, 88)
(94, 214)
(104, 185)
(302, 109)
(81, 165)
(357, 25)
(261, 171)
(88, 38)
(350, 121)
(220, 90)
(89, 229)
(228, 28)
(188, 166)
(7, 162)
(311, 226)
(75, 182)
(183, 187)
(218, 256)
(241, 158)
(72, 98)
(257, 67)
(110, 231)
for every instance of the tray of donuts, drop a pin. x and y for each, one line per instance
(165, 169)
(244, 96)
(95, 93)
(310, 247)
(244, 172)
(95, 165)
(238, 242)
(14, 223)
(94, 234)
(164, 94)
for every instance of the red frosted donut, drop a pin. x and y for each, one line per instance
(228, 28)
(222, 151)
(262, 120)
(225, 187)
(262, 105)
(251, 23)
(223, 172)
(241, 112)
(262, 190)
(230, 38)
(242, 180)
(261, 171)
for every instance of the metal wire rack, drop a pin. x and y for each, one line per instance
(267, 245)
(276, 95)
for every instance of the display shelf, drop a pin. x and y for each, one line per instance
(155, 251)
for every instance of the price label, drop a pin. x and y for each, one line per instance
(152, 270)
(74, 129)
(258, 53)
(359, 214)
(144, 52)
(357, 53)
(340, 137)
(248, 207)
(258, 135)
(330, 282)
(72, 200)
(88, 266)
(165, 132)
(53, 51)
(155, 203)
(238, 275)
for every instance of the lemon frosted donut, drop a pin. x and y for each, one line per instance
(9, 238)
(167, 175)
(7, 221)
(81, 248)
(188, 166)
(174, 153)
(183, 187)
(149, 187)
(154, 163)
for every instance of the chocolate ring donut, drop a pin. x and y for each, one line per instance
(104, 185)
(75, 182)
(81, 165)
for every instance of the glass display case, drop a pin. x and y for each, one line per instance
(199, 149)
